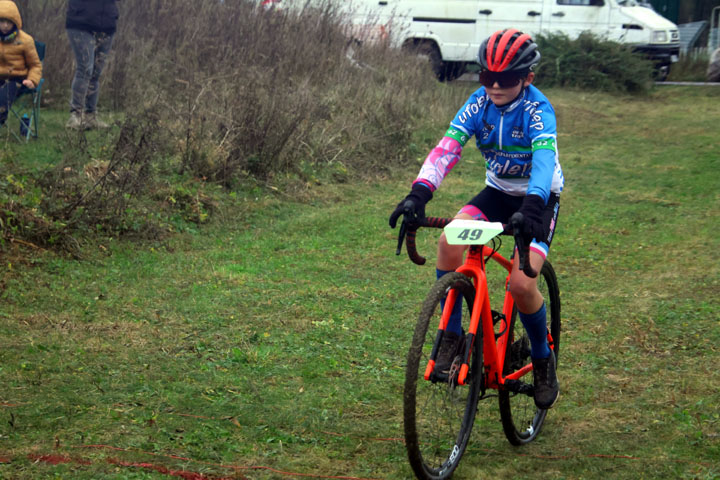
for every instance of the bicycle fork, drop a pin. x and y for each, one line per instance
(480, 310)
(449, 304)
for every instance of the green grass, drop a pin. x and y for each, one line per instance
(276, 336)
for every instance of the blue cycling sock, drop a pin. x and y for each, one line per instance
(455, 322)
(536, 327)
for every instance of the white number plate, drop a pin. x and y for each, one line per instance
(471, 232)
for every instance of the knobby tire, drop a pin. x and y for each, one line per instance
(438, 416)
(521, 419)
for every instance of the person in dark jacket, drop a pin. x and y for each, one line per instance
(90, 26)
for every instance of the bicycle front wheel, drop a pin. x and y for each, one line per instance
(439, 415)
(521, 419)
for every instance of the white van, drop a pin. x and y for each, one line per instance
(449, 32)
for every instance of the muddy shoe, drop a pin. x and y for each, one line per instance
(546, 385)
(75, 122)
(93, 122)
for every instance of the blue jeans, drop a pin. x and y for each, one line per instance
(8, 92)
(91, 50)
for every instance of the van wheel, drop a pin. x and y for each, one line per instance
(443, 71)
(454, 70)
(661, 72)
(430, 51)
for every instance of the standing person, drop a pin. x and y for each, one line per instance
(515, 129)
(90, 26)
(19, 61)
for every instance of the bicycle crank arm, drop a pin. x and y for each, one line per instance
(516, 386)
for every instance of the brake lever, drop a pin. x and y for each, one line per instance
(407, 234)
(408, 214)
(401, 236)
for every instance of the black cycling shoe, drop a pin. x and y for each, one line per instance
(450, 346)
(547, 390)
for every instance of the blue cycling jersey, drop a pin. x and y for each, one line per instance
(518, 141)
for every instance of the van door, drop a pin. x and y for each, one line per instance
(523, 15)
(451, 24)
(371, 20)
(574, 16)
(459, 26)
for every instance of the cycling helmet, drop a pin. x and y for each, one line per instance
(508, 51)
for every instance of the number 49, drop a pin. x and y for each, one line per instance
(471, 234)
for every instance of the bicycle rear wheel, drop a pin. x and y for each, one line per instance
(521, 419)
(439, 415)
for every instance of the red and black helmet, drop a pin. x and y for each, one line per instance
(508, 51)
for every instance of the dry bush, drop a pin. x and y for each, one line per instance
(692, 67)
(212, 92)
(247, 92)
(107, 191)
(102, 190)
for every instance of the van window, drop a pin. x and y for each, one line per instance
(585, 3)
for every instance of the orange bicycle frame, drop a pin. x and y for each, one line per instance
(493, 349)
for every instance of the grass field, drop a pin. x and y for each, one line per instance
(271, 343)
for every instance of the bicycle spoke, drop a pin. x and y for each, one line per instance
(438, 414)
(521, 419)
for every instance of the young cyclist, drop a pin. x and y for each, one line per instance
(515, 129)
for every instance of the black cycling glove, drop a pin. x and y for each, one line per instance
(532, 208)
(413, 204)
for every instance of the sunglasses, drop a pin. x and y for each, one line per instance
(503, 79)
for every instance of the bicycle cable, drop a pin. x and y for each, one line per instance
(496, 244)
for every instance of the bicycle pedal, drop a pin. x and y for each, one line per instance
(516, 386)
(439, 377)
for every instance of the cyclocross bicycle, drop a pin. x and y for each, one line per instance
(439, 409)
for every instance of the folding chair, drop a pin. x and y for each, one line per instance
(26, 107)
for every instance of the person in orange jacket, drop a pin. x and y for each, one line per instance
(19, 61)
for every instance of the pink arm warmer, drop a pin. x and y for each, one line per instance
(439, 162)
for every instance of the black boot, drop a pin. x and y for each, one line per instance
(546, 385)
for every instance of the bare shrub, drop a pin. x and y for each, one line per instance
(692, 67)
(222, 93)
(280, 92)
(248, 92)
(105, 189)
